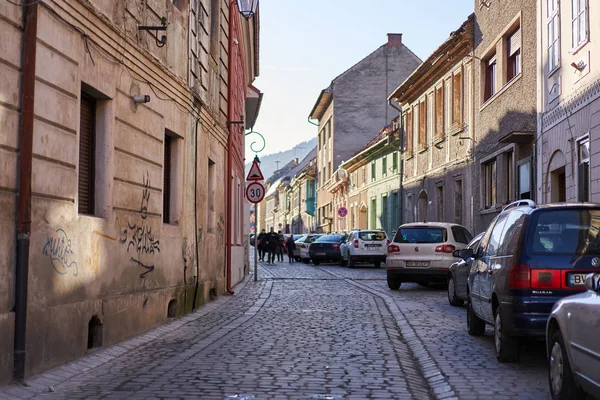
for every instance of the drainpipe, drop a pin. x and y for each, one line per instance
(401, 134)
(195, 217)
(30, 19)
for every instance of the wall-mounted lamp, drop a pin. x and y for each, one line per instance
(579, 66)
(141, 98)
(247, 7)
(163, 39)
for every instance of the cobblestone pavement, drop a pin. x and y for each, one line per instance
(300, 332)
(468, 363)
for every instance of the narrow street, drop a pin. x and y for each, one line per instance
(324, 332)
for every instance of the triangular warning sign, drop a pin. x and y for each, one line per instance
(255, 173)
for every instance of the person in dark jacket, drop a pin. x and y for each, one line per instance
(272, 241)
(290, 245)
(262, 245)
(280, 246)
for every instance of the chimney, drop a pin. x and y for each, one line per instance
(394, 39)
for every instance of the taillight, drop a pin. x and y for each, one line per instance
(545, 279)
(392, 248)
(356, 243)
(336, 246)
(520, 277)
(445, 248)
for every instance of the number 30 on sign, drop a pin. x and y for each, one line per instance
(255, 192)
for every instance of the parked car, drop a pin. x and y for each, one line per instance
(422, 252)
(326, 248)
(458, 275)
(305, 246)
(368, 246)
(298, 243)
(530, 257)
(572, 343)
(252, 239)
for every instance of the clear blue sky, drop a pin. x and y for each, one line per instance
(304, 45)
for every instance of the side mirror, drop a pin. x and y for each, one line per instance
(592, 282)
(463, 253)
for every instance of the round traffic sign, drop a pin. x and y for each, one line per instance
(255, 192)
(342, 211)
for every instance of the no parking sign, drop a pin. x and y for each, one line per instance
(342, 212)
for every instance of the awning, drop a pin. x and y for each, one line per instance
(519, 137)
(253, 100)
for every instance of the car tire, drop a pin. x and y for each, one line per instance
(452, 298)
(393, 283)
(475, 325)
(560, 376)
(507, 347)
(316, 262)
(351, 262)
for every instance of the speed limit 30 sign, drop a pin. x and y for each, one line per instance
(255, 192)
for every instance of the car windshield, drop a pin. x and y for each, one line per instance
(566, 232)
(301, 239)
(425, 234)
(296, 237)
(330, 238)
(311, 239)
(377, 235)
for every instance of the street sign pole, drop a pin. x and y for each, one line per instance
(255, 192)
(255, 246)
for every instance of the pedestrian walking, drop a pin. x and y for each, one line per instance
(262, 245)
(280, 246)
(272, 240)
(290, 245)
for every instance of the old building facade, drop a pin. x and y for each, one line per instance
(436, 102)
(569, 101)
(342, 126)
(115, 144)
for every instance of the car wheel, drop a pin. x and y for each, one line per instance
(316, 262)
(393, 283)
(452, 299)
(351, 262)
(507, 347)
(475, 325)
(560, 376)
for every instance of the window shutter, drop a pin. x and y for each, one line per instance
(86, 154)
(439, 112)
(515, 42)
(167, 181)
(423, 123)
(457, 99)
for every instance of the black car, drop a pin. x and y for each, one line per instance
(529, 257)
(326, 248)
(458, 274)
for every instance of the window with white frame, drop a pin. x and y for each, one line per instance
(490, 77)
(553, 24)
(579, 34)
(490, 193)
(514, 55)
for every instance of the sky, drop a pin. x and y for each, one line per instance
(304, 45)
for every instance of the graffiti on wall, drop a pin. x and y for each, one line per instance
(58, 249)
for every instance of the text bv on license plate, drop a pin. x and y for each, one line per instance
(576, 279)
(417, 263)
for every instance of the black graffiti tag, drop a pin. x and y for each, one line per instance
(142, 239)
(58, 250)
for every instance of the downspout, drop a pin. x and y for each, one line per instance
(30, 19)
(401, 135)
(195, 217)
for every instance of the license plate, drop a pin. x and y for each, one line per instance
(321, 254)
(372, 245)
(576, 279)
(417, 263)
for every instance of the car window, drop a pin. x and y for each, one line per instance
(311, 239)
(377, 235)
(461, 235)
(475, 242)
(301, 240)
(491, 249)
(572, 231)
(330, 238)
(511, 233)
(421, 235)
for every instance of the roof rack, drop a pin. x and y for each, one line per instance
(520, 203)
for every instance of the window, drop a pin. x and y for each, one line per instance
(373, 171)
(490, 78)
(409, 133)
(458, 201)
(509, 177)
(491, 249)
(384, 166)
(583, 170)
(439, 112)
(512, 232)
(215, 13)
(423, 124)
(524, 180)
(364, 176)
(395, 211)
(167, 180)
(553, 24)
(210, 196)
(87, 155)
(384, 212)
(514, 55)
(461, 235)
(373, 219)
(440, 203)
(421, 235)
(395, 162)
(489, 176)
(457, 105)
(320, 137)
(579, 28)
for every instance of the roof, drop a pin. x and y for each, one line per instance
(323, 101)
(438, 59)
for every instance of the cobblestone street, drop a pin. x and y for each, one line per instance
(304, 332)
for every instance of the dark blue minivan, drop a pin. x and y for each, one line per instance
(529, 257)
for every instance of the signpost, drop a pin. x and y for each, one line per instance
(255, 192)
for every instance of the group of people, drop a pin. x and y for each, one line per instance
(274, 244)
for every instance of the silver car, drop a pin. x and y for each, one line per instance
(573, 345)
